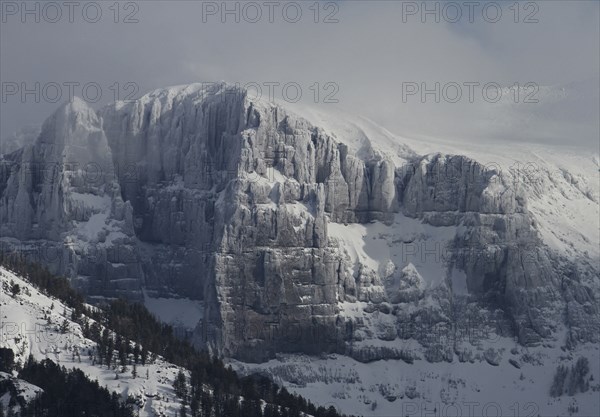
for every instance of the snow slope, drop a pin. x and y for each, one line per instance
(395, 388)
(405, 242)
(25, 331)
(24, 390)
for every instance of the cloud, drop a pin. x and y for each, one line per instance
(368, 54)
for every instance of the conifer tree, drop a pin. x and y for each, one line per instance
(180, 385)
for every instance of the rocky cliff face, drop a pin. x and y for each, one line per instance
(295, 239)
(61, 204)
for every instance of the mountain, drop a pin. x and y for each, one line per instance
(295, 232)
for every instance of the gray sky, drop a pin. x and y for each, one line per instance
(370, 55)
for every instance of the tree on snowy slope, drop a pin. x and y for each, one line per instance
(180, 385)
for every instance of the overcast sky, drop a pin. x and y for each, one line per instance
(374, 52)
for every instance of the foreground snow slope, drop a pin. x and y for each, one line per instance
(26, 332)
(395, 388)
(24, 390)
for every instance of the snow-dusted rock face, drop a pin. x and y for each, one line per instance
(62, 204)
(498, 249)
(294, 238)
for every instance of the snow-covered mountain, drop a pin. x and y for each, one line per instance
(293, 231)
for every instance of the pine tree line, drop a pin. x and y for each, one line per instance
(571, 381)
(66, 393)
